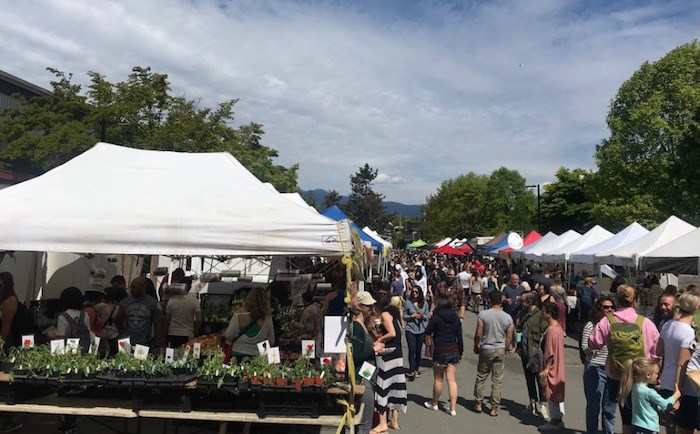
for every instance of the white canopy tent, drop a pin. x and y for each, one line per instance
(443, 242)
(535, 252)
(376, 236)
(680, 256)
(595, 235)
(629, 254)
(625, 236)
(111, 199)
(546, 239)
(296, 198)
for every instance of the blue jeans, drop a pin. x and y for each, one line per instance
(415, 345)
(595, 385)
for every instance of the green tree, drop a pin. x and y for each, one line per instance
(138, 112)
(457, 207)
(331, 198)
(366, 207)
(511, 204)
(650, 116)
(567, 203)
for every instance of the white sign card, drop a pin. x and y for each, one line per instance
(196, 350)
(141, 352)
(326, 360)
(186, 353)
(124, 345)
(28, 341)
(308, 348)
(73, 345)
(273, 355)
(263, 347)
(95, 344)
(58, 346)
(334, 331)
(169, 355)
(367, 371)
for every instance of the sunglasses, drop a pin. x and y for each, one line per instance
(608, 306)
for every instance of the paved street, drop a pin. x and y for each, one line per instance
(418, 419)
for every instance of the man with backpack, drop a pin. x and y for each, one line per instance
(627, 336)
(73, 322)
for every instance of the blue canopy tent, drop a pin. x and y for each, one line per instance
(499, 245)
(335, 213)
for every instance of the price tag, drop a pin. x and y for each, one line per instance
(169, 355)
(28, 341)
(73, 345)
(263, 347)
(141, 352)
(367, 371)
(196, 350)
(186, 353)
(58, 346)
(124, 345)
(273, 355)
(95, 344)
(308, 349)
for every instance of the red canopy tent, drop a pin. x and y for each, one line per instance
(465, 248)
(448, 250)
(529, 239)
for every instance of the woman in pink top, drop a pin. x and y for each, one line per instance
(628, 300)
(554, 371)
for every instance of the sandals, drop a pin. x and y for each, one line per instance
(477, 408)
(376, 431)
(493, 412)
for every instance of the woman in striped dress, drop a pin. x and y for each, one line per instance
(390, 393)
(595, 380)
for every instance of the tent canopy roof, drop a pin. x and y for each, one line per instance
(335, 213)
(113, 199)
(625, 236)
(680, 256)
(536, 250)
(448, 250)
(628, 255)
(530, 238)
(595, 235)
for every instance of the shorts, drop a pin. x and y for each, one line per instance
(444, 359)
(639, 430)
(687, 416)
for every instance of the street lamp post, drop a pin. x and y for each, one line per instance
(539, 222)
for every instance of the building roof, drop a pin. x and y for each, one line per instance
(23, 84)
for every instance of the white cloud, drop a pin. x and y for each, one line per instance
(383, 178)
(434, 90)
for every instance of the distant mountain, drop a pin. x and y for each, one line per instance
(409, 211)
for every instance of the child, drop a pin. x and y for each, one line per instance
(646, 401)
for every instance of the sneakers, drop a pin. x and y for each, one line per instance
(530, 409)
(453, 413)
(430, 405)
(543, 410)
(551, 427)
(10, 426)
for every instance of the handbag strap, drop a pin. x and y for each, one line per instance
(245, 329)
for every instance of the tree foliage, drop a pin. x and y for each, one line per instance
(567, 202)
(472, 205)
(331, 198)
(651, 122)
(139, 112)
(365, 207)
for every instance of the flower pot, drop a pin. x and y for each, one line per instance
(255, 380)
(318, 381)
(280, 381)
(266, 380)
(297, 385)
(309, 381)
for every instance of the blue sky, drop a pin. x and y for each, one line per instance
(421, 90)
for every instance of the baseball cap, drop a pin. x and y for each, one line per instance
(364, 297)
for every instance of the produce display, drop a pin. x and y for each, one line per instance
(209, 342)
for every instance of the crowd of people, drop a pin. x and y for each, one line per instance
(622, 351)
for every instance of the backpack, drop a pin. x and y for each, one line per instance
(626, 342)
(586, 299)
(78, 329)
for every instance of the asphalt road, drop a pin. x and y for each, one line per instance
(418, 419)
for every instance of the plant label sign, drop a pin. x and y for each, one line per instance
(273, 355)
(326, 360)
(95, 344)
(124, 345)
(169, 355)
(73, 345)
(186, 353)
(367, 371)
(308, 348)
(58, 346)
(28, 341)
(263, 347)
(196, 350)
(141, 352)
